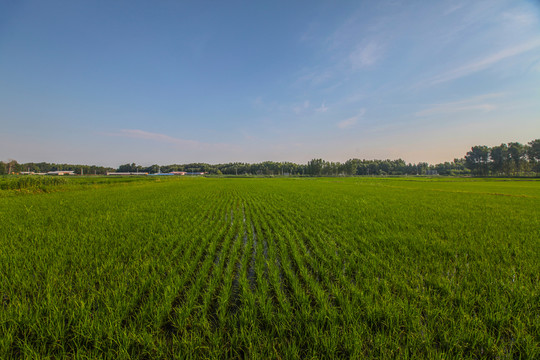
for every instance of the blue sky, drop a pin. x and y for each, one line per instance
(110, 82)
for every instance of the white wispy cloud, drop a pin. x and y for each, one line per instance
(301, 107)
(349, 59)
(322, 108)
(475, 103)
(355, 44)
(366, 55)
(536, 67)
(315, 76)
(166, 139)
(453, 8)
(484, 63)
(450, 108)
(247, 136)
(141, 134)
(347, 123)
(520, 18)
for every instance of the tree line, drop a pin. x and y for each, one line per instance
(315, 167)
(13, 167)
(512, 159)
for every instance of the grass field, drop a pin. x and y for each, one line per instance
(271, 268)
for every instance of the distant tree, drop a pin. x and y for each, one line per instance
(477, 160)
(456, 167)
(349, 167)
(422, 168)
(128, 168)
(499, 160)
(533, 154)
(315, 166)
(154, 169)
(517, 155)
(13, 166)
(329, 168)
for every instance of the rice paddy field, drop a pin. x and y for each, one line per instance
(290, 268)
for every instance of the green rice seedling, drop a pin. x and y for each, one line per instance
(271, 268)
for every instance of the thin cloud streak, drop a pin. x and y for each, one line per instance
(483, 64)
(297, 109)
(475, 103)
(166, 139)
(323, 108)
(452, 9)
(348, 50)
(364, 56)
(520, 18)
(447, 109)
(347, 123)
(141, 134)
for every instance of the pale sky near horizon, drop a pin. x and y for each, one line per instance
(111, 82)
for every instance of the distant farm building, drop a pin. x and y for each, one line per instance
(179, 173)
(126, 173)
(61, 172)
(172, 173)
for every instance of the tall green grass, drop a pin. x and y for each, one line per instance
(272, 268)
(30, 182)
(38, 184)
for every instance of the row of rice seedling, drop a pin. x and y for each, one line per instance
(181, 265)
(109, 263)
(320, 295)
(179, 306)
(270, 280)
(364, 277)
(390, 285)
